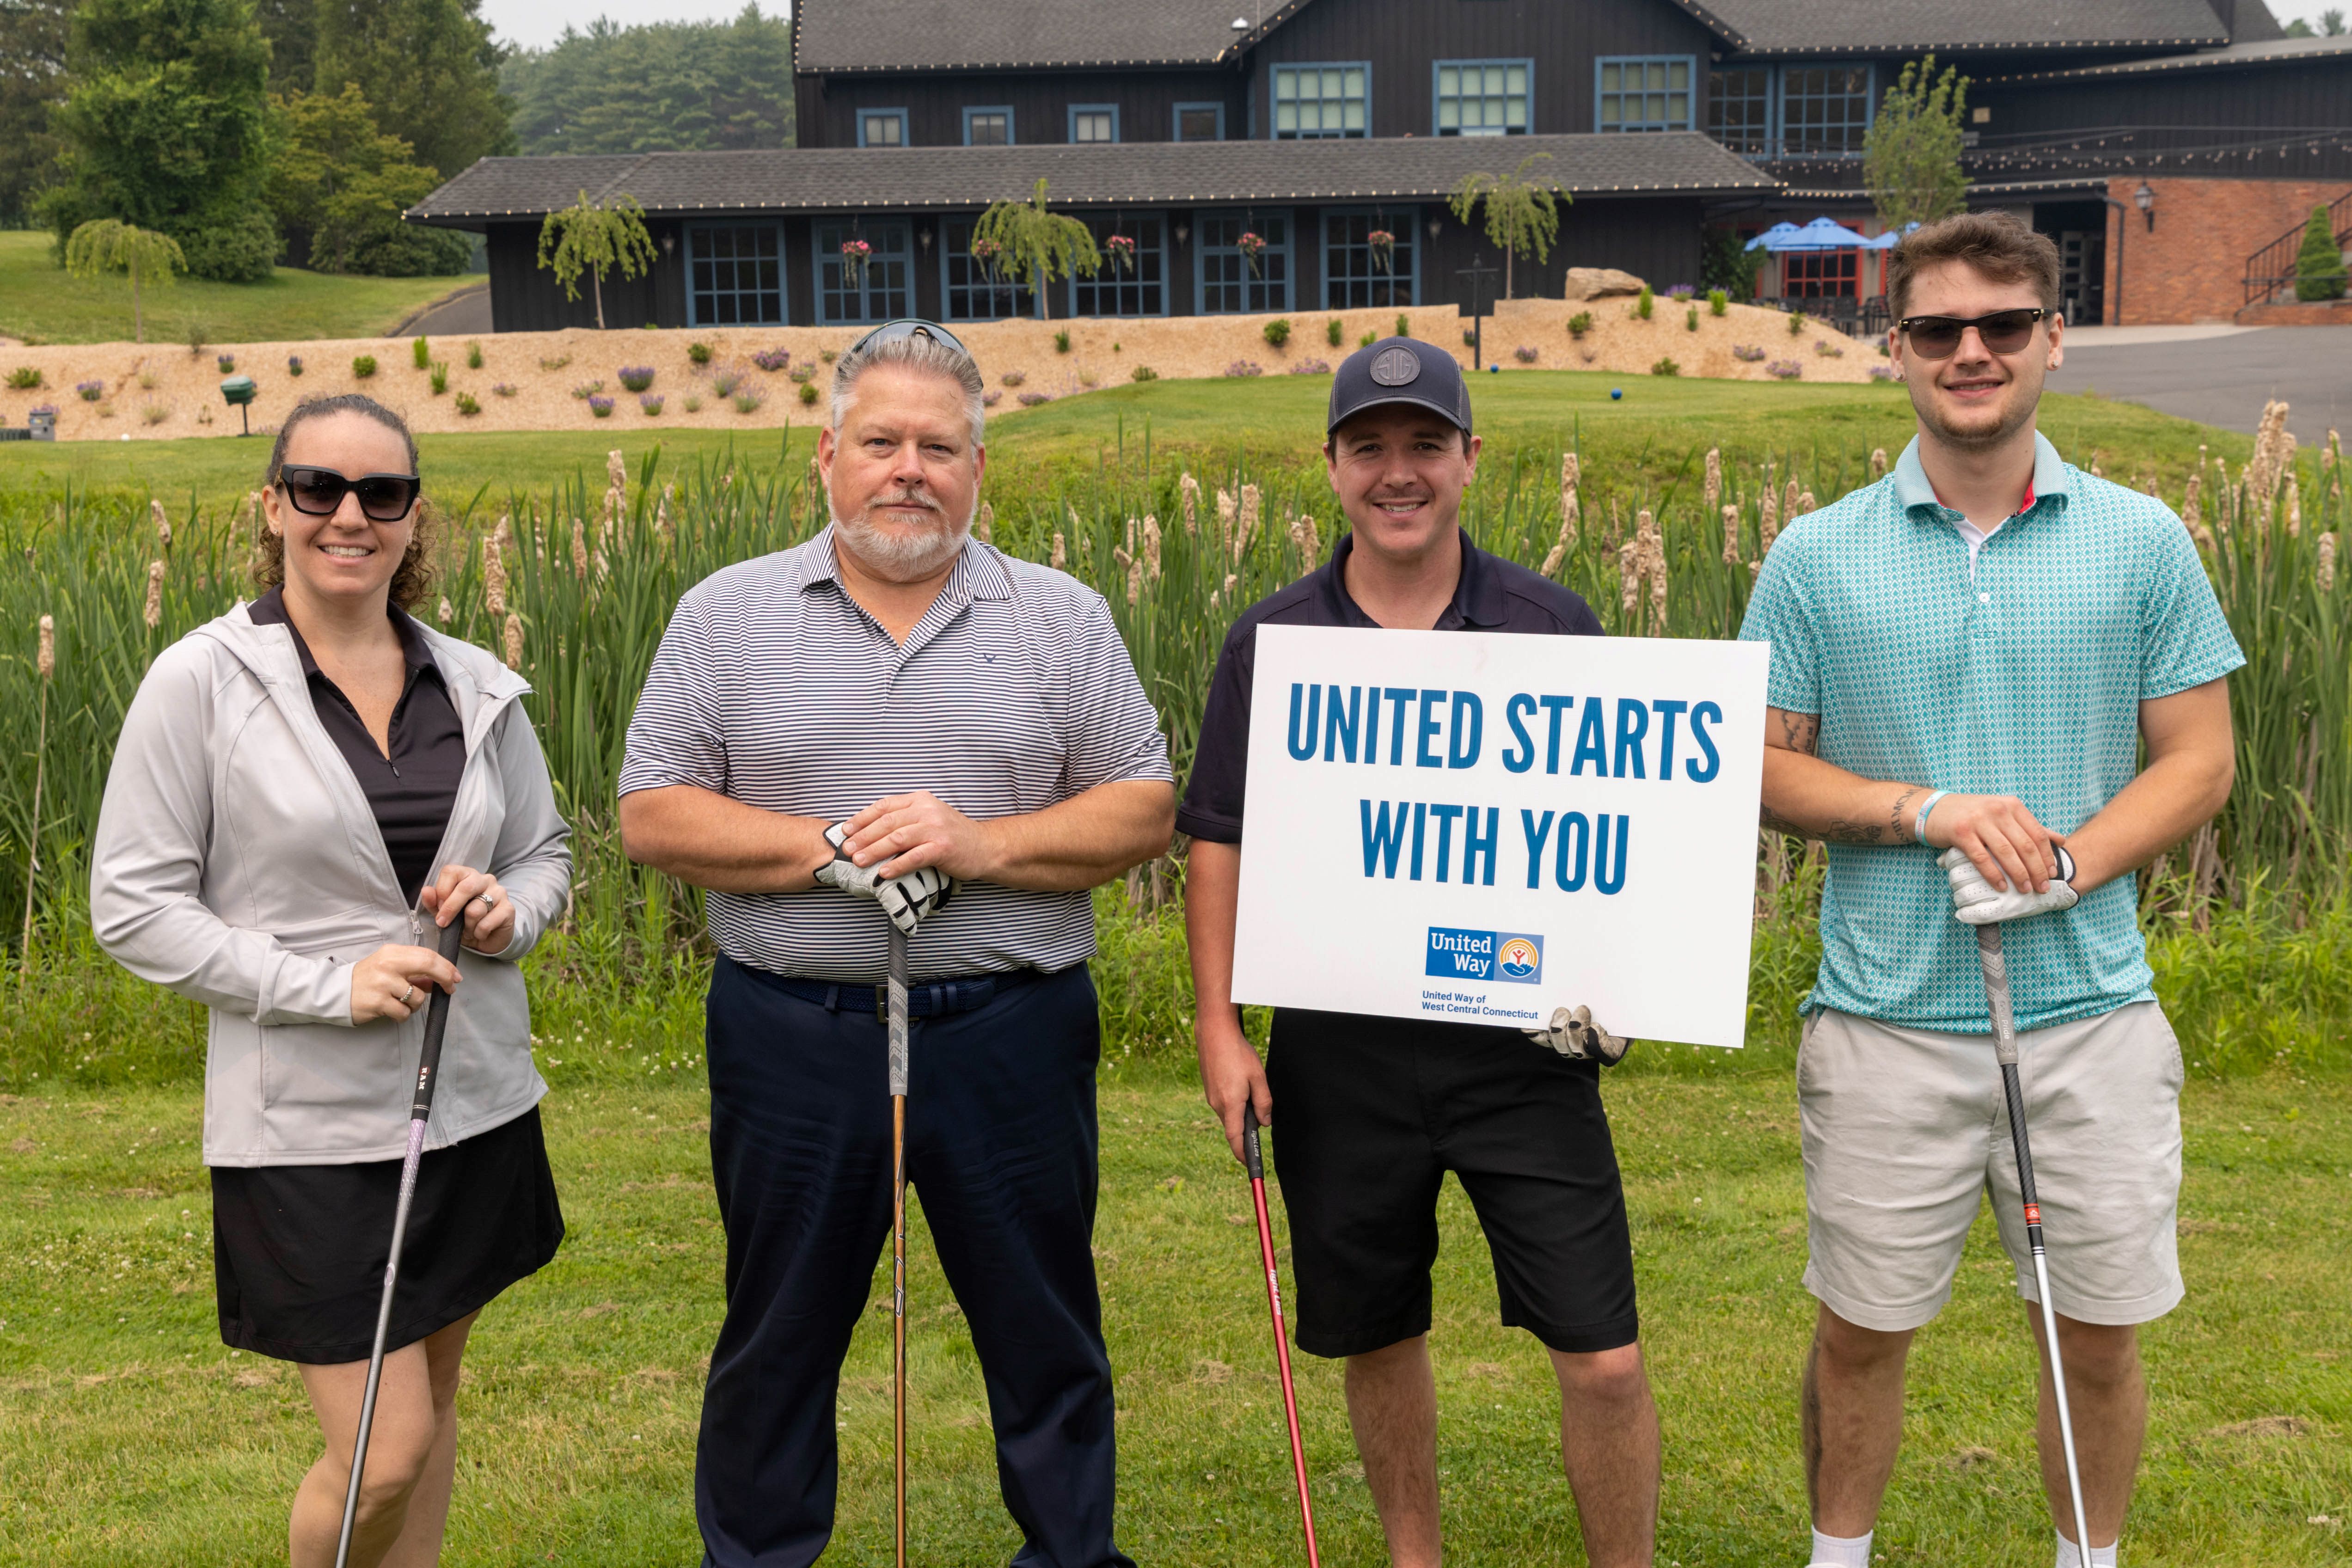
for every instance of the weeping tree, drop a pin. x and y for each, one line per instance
(596, 238)
(1911, 153)
(1037, 245)
(1522, 210)
(104, 246)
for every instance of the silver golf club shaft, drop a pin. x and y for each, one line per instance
(2004, 1045)
(898, 1026)
(420, 1111)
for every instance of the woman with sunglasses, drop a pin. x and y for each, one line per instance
(304, 790)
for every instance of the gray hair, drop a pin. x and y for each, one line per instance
(920, 352)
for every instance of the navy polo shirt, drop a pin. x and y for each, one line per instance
(1492, 596)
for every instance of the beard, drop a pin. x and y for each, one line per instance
(1979, 429)
(902, 554)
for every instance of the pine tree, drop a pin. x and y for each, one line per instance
(429, 69)
(2320, 271)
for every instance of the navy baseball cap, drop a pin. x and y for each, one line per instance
(1400, 370)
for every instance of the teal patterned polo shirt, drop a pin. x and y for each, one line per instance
(2026, 681)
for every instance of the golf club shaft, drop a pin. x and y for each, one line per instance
(2004, 1042)
(898, 1026)
(420, 1111)
(1254, 1157)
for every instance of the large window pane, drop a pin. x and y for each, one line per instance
(1231, 281)
(1137, 286)
(1824, 108)
(1640, 93)
(1322, 100)
(735, 274)
(1484, 98)
(876, 291)
(1740, 109)
(1355, 271)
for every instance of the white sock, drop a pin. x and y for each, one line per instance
(1842, 1552)
(2070, 1557)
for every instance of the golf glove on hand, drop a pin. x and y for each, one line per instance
(1575, 1035)
(905, 899)
(1979, 904)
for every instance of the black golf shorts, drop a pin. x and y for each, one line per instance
(1371, 1114)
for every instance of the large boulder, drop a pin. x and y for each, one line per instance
(1599, 283)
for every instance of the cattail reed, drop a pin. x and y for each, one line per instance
(1151, 547)
(617, 472)
(1308, 541)
(1570, 510)
(1790, 495)
(1246, 530)
(511, 640)
(1188, 496)
(663, 528)
(45, 661)
(446, 611)
(1060, 559)
(1227, 509)
(494, 568)
(1628, 583)
(1768, 523)
(1878, 462)
(152, 613)
(1713, 490)
(1731, 535)
(2324, 575)
(1805, 503)
(162, 525)
(983, 526)
(579, 549)
(2294, 507)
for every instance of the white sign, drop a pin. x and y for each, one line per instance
(1480, 827)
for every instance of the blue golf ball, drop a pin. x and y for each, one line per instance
(1616, 393)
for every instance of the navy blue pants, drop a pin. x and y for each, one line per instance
(1001, 1143)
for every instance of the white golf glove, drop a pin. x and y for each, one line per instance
(1979, 903)
(1575, 1035)
(907, 899)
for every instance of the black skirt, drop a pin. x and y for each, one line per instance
(299, 1251)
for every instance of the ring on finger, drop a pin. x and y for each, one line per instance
(407, 995)
(488, 900)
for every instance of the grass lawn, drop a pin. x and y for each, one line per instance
(1651, 439)
(134, 1438)
(39, 302)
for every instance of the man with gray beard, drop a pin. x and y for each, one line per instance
(955, 717)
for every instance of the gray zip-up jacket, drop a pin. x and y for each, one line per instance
(237, 862)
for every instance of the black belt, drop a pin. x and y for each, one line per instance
(925, 998)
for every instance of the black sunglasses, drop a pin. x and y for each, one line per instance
(909, 328)
(317, 492)
(1938, 337)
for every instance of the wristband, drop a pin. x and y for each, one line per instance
(1919, 824)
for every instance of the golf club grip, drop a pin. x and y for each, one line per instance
(1995, 964)
(1251, 1154)
(436, 1025)
(2014, 1094)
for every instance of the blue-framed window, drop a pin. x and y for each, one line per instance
(1483, 98)
(988, 125)
(1094, 123)
(1358, 272)
(735, 274)
(976, 288)
(879, 290)
(1199, 122)
(1739, 108)
(1323, 100)
(1137, 286)
(1646, 92)
(882, 128)
(1824, 108)
(1231, 279)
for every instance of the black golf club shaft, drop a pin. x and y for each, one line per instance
(420, 1110)
(1254, 1160)
(898, 1046)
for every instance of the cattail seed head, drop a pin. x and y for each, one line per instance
(616, 471)
(1060, 558)
(1629, 577)
(1768, 524)
(153, 612)
(1805, 503)
(1309, 541)
(511, 640)
(447, 612)
(579, 549)
(47, 660)
(1713, 488)
(1877, 462)
(983, 527)
(1731, 536)
(1227, 509)
(1251, 512)
(1151, 547)
(2325, 575)
(663, 527)
(1188, 497)
(1788, 495)
(162, 525)
(2294, 507)
(1134, 582)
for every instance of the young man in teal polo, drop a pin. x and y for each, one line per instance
(1969, 654)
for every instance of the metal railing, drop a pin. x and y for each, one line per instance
(2271, 271)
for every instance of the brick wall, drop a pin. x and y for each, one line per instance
(2191, 266)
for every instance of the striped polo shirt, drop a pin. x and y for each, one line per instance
(1013, 693)
(2023, 678)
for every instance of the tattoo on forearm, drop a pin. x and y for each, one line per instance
(1840, 831)
(1780, 824)
(1801, 731)
(1895, 829)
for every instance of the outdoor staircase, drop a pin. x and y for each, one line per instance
(2270, 272)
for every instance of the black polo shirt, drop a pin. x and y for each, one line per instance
(412, 789)
(1492, 596)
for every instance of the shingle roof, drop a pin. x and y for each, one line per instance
(844, 36)
(2270, 52)
(1133, 173)
(1915, 27)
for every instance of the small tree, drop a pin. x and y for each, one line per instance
(104, 246)
(1037, 245)
(586, 238)
(2320, 271)
(1522, 213)
(1911, 154)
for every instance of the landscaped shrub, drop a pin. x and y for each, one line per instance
(601, 407)
(2320, 271)
(24, 378)
(227, 363)
(1690, 319)
(421, 351)
(1580, 323)
(363, 365)
(90, 391)
(1525, 354)
(803, 373)
(503, 389)
(1062, 343)
(726, 379)
(106, 410)
(809, 393)
(154, 414)
(651, 402)
(1829, 350)
(1666, 367)
(1717, 302)
(693, 403)
(1469, 337)
(1143, 373)
(1785, 369)
(828, 355)
(293, 364)
(1086, 379)
(146, 381)
(1031, 399)
(1751, 352)
(698, 353)
(988, 399)
(636, 377)
(588, 389)
(557, 363)
(196, 339)
(1312, 367)
(1644, 304)
(440, 378)
(466, 405)
(1796, 323)
(1882, 372)
(772, 359)
(1277, 332)
(1014, 377)
(1334, 331)
(1404, 325)
(1681, 291)
(473, 356)
(1244, 367)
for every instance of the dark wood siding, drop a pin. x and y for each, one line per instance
(1403, 39)
(525, 296)
(1655, 239)
(2121, 123)
(1040, 102)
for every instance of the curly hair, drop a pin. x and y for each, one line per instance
(414, 578)
(1993, 244)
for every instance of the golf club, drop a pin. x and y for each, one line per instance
(1256, 1163)
(2004, 1045)
(420, 1110)
(897, 1021)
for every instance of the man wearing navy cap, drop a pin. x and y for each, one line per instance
(1376, 1111)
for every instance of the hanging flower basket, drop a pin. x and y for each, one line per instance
(1251, 246)
(986, 255)
(854, 253)
(1120, 249)
(1383, 248)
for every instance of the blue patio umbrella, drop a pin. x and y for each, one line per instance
(1886, 241)
(1776, 237)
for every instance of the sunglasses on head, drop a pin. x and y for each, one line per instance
(317, 492)
(1938, 337)
(909, 328)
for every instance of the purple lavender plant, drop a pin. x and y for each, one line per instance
(293, 364)
(1244, 367)
(1785, 369)
(772, 359)
(227, 362)
(636, 377)
(600, 406)
(90, 391)
(651, 402)
(1525, 354)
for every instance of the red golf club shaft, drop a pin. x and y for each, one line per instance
(1281, 1337)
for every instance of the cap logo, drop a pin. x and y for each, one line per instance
(1396, 367)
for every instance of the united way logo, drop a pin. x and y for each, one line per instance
(1510, 957)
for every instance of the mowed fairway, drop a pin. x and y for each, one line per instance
(132, 1436)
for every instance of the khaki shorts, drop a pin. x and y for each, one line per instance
(1904, 1135)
